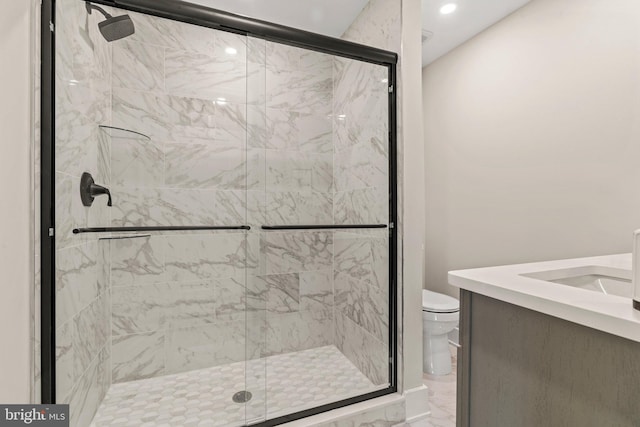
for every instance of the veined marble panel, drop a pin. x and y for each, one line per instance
(65, 373)
(137, 261)
(293, 207)
(77, 279)
(90, 333)
(365, 304)
(364, 206)
(90, 390)
(202, 347)
(360, 104)
(164, 305)
(282, 292)
(256, 72)
(363, 165)
(136, 162)
(316, 290)
(216, 78)
(179, 118)
(181, 206)
(362, 258)
(171, 34)
(364, 350)
(207, 165)
(201, 257)
(137, 356)
(301, 330)
(292, 130)
(138, 66)
(76, 143)
(296, 171)
(298, 79)
(257, 126)
(297, 251)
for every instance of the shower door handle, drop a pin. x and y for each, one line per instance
(322, 227)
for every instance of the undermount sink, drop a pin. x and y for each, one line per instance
(605, 280)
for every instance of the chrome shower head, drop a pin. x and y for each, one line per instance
(114, 27)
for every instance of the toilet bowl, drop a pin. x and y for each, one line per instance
(440, 315)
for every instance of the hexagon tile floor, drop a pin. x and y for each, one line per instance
(279, 385)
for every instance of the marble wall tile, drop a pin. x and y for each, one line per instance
(219, 77)
(138, 66)
(205, 165)
(365, 351)
(363, 165)
(298, 80)
(231, 299)
(297, 251)
(65, 373)
(201, 257)
(364, 206)
(316, 290)
(360, 104)
(77, 283)
(137, 261)
(301, 330)
(211, 345)
(296, 207)
(362, 258)
(137, 309)
(282, 292)
(164, 117)
(137, 356)
(364, 304)
(172, 34)
(90, 333)
(296, 171)
(148, 207)
(136, 162)
(76, 143)
(90, 390)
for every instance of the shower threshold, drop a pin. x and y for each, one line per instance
(279, 385)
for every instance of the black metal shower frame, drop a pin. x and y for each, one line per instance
(218, 20)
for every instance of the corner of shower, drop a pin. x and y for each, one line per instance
(245, 270)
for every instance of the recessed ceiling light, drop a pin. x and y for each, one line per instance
(231, 50)
(448, 8)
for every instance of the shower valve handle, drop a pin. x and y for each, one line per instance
(89, 190)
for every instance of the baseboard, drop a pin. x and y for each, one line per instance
(417, 403)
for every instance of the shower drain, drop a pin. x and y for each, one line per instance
(242, 396)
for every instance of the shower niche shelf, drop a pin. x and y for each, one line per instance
(116, 132)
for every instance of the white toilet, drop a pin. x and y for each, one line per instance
(440, 315)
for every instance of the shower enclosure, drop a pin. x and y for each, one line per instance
(219, 196)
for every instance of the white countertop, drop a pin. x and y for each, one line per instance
(608, 313)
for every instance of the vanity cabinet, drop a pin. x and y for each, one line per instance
(520, 368)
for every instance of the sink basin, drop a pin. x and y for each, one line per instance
(605, 280)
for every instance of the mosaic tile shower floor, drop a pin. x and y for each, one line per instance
(296, 381)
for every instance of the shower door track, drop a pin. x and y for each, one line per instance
(224, 21)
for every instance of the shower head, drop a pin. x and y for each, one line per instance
(114, 27)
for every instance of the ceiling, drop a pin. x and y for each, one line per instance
(470, 18)
(328, 17)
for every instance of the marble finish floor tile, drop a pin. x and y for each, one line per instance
(442, 399)
(294, 382)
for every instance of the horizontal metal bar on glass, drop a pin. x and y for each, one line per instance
(322, 227)
(159, 228)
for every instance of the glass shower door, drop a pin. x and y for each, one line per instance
(151, 292)
(318, 130)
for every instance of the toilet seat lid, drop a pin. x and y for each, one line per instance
(439, 303)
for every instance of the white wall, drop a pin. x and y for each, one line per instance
(15, 197)
(413, 187)
(532, 134)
